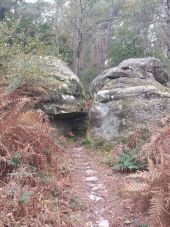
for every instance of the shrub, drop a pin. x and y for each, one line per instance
(127, 161)
(20, 57)
(26, 70)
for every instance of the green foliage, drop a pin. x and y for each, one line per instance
(35, 24)
(17, 56)
(26, 69)
(76, 203)
(125, 44)
(73, 139)
(45, 179)
(100, 144)
(65, 50)
(16, 160)
(25, 196)
(103, 145)
(86, 142)
(14, 41)
(21, 55)
(21, 175)
(143, 225)
(88, 76)
(8, 7)
(127, 161)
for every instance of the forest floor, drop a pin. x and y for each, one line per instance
(96, 200)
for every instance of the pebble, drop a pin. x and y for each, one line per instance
(95, 197)
(89, 171)
(98, 186)
(91, 179)
(127, 222)
(104, 223)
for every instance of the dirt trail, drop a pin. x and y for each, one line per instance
(95, 185)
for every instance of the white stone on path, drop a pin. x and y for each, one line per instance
(90, 171)
(91, 179)
(104, 223)
(95, 197)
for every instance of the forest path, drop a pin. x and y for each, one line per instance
(95, 184)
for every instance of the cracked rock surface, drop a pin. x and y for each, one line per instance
(128, 97)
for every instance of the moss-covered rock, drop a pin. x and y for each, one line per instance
(128, 97)
(65, 92)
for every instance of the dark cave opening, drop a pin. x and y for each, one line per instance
(70, 124)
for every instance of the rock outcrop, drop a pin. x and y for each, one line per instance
(128, 97)
(152, 65)
(65, 93)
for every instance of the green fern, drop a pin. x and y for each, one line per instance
(127, 161)
(25, 197)
(16, 160)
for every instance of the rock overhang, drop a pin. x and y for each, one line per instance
(65, 93)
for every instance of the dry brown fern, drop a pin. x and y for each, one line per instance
(29, 165)
(155, 183)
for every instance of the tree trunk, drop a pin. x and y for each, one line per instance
(146, 40)
(79, 55)
(58, 5)
(104, 40)
(74, 48)
(147, 18)
(79, 41)
(101, 51)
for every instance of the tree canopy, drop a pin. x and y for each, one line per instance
(88, 34)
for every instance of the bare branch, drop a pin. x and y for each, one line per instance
(101, 21)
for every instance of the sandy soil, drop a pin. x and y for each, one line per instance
(96, 186)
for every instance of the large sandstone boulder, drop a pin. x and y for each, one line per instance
(128, 97)
(65, 93)
(152, 65)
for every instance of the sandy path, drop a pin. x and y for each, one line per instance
(95, 185)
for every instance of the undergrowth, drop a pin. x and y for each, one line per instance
(31, 176)
(128, 162)
(153, 185)
(98, 144)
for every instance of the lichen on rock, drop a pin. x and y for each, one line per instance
(128, 97)
(66, 94)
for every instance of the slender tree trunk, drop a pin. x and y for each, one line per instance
(78, 65)
(74, 48)
(104, 41)
(101, 53)
(79, 41)
(58, 5)
(79, 55)
(147, 19)
(146, 40)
